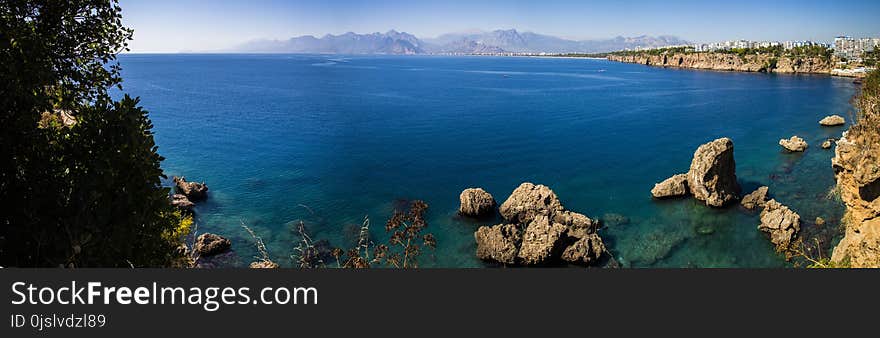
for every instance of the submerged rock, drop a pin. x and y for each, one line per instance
(476, 202)
(612, 219)
(498, 243)
(264, 265)
(712, 175)
(781, 223)
(540, 240)
(528, 201)
(192, 190)
(209, 244)
(755, 199)
(833, 120)
(671, 187)
(794, 144)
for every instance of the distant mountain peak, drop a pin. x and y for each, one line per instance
(471, 42)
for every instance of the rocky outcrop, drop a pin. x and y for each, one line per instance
(712, 175)
(671, 187)
(540, 231)
(498, 243)
(828, 143)
(833, 120)
(781, 223)
(528, 201)
(729, 62)
(180, 201)
(794, 144)
(857, 169)
(192, 190)
(755, 199)
(476, 202)
(210, 244)
(541, 238)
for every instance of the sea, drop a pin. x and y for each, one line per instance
(329, 141)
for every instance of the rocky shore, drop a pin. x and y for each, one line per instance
(856, 165)
(730, 62)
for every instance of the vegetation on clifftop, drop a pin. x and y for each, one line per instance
(776, 51)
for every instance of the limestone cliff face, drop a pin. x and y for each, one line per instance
(857, 168)
(730, 62)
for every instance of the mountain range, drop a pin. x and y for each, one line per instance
(498, 41)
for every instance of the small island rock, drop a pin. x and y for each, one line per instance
(476, 202)
(671, 187)
(833, 120)
(827, 144)
(794, 144)
(210, 244)
(194, 191)
(181, 202)
(540, 240)
(712, 175)
(264, 265)
(756, 199)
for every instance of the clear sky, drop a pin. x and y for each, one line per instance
(188, 25)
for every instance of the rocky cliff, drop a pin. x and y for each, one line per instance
(857, 168)
(730, 62)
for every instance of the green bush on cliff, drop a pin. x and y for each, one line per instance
(80, 176)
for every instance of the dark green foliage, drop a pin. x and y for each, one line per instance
(86, 194)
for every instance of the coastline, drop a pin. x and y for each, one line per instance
(736, 63)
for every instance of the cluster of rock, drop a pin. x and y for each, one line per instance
(711, 177)
(794, 144)
(730, 62)
(187, 192)
(777, 220)
(539, 231)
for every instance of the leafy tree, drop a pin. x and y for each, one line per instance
(80, 175)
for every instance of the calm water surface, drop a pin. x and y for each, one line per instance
(329, 140)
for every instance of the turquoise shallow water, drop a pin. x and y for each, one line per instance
(330, 140)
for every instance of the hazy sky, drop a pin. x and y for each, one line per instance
(186, 25)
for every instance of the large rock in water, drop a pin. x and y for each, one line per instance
(671, 187)
(528, 201)
(756, 199)
(210, 244)
(794, 144)
(498, 243)
(540, 240)
(476, 202)
(181, 202)
(712, 176)
(833, 120)
(192, 190)
(781, 223)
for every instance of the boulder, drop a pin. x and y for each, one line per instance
(498, 243)
(476, 202)
(781, 223)
(833, 120)
(181, 202)
(208, 244)
(586, 250)
(576, 223)
(530, 200)
(756, 199)
(264, 265)
(192, 190)
(712, 175)
(827, 144)
(540, 240)
(794, 144)
(671, 187)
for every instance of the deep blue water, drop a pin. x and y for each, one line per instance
(330, 140)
